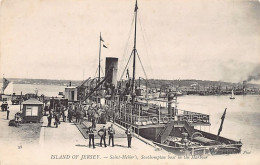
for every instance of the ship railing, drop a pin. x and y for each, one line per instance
(182, 115)
(193, 117)
(185, 112)
(150, 119)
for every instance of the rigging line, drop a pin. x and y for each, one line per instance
(126, 66)
(141, 65)
(96, 78)
(127, 43)
(102, 71)
(96, 72)
(143, 33)
(126, 46)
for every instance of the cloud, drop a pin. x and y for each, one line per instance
(214, 40)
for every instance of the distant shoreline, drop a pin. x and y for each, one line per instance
(39, 84)
(152, 82)
(43, 81)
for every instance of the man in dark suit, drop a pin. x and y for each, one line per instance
(7, 113)
(57, 119)
(102, 133)
(129, 133)
(70, 113)
(2, 106)
(93, 122)
(5, 106)
(49, 119)
(111, 133)
(91, 136)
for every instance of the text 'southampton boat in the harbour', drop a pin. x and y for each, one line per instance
(153, 118)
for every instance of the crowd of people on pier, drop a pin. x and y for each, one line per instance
(94, 114)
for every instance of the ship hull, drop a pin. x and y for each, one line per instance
(202, 150)
(222, 146)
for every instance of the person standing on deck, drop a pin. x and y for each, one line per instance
(78, 115)
(65, 114)
(89, 112)
(2, 106)
(111, 132)
(129, 135)
(102, 133)
(70, 114)
(81, 116)
(49, 119)
(93, 122)
(59, 116)
(5, 106)
(91, 136)
(17, 118)
(96, 116)
(7, 113)
(56, 117)
(63, 108)
(114, 116)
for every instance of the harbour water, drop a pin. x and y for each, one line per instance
(241, 121)
(47, 90)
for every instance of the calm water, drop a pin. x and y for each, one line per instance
(242, 119)
(47, 90)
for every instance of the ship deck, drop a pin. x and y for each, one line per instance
(159, 125)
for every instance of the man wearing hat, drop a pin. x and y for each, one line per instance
(91, 136)
(128, 132)
(102, 133)
(7, 113)
(111, 133)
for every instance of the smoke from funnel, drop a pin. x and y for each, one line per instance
(255, 74)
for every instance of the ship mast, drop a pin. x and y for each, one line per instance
(134, 58)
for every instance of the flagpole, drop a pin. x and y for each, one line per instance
(99, 57)
(221, 124)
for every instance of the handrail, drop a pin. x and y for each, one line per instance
(159, 134)
(164, 133)
(188, 127)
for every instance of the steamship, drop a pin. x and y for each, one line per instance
(153, 118)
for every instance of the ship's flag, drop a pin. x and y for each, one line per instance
(104, 46)
(222, 121)
(101, 39)
(5, 83)
(136, 7)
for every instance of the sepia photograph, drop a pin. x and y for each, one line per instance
(129, 82)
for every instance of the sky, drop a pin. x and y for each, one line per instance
(176, 39)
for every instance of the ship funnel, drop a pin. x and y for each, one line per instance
(111, 70)
(170, 99)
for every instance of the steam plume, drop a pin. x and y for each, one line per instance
(255, 74)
